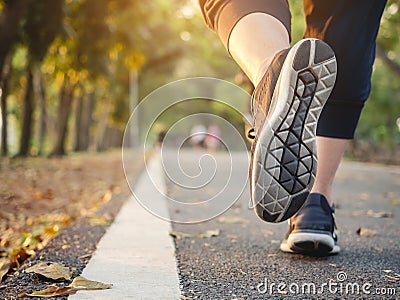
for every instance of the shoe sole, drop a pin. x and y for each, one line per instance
(284, 159)
(317, 244)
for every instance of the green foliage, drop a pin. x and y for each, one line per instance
(382, 111)
(389, 32)
(378, 122)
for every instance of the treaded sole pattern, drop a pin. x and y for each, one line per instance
(285, 161)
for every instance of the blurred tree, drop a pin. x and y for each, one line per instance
(389, 37)
(81, 54)
(11, 15)
(12, 12)
(41, 26)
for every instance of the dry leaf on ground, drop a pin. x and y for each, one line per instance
(79, 185)
(78, 284)
(18, 254)
(5, 265)
(371, 213)
(209, 233)
(182, 235)
(99, 221)
(86, 284)
(267, 232)
(366, 232)
(232, 220)
(51, 292)
(50, 270)
(393, 277)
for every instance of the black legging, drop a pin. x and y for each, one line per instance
(350, 27)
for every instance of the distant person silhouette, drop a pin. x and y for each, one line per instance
(198, 135)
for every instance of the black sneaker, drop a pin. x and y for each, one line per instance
(286, 106)
(311, 230)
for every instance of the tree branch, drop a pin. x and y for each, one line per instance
(392, 64)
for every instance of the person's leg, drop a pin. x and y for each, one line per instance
(355, 22)
(253, 31)
(268, 37)
(330, 152)
(283, 159)
(350, 28)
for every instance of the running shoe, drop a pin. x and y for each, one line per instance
(312, 229)
(286, 106)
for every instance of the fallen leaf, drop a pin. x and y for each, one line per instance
(47, 195)
(30, 241)
(358, 213)
(99, 221)
(394, 278)
(371, 213)
(185, 298)
(332, 265)
(18, 255)
(5, 265)
(267, 232)
(232, 220)
(366, 232)
(209, 233)
(381, 214)
(242, 272)
(81, 282)
(51, 292)
(78, 284)
(51, 230)
(180, 235)
(282, 292)
(50, 270)
(107, 196)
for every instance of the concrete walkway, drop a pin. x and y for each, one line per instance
(136, 255)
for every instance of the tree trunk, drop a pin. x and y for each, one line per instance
(4, 93)
(83, 121)
(78, 124)
(63, 112)
(41, 92)
(102, 125)
(10, 17)
(27, 114)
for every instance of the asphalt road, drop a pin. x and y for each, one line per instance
(244, 261)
